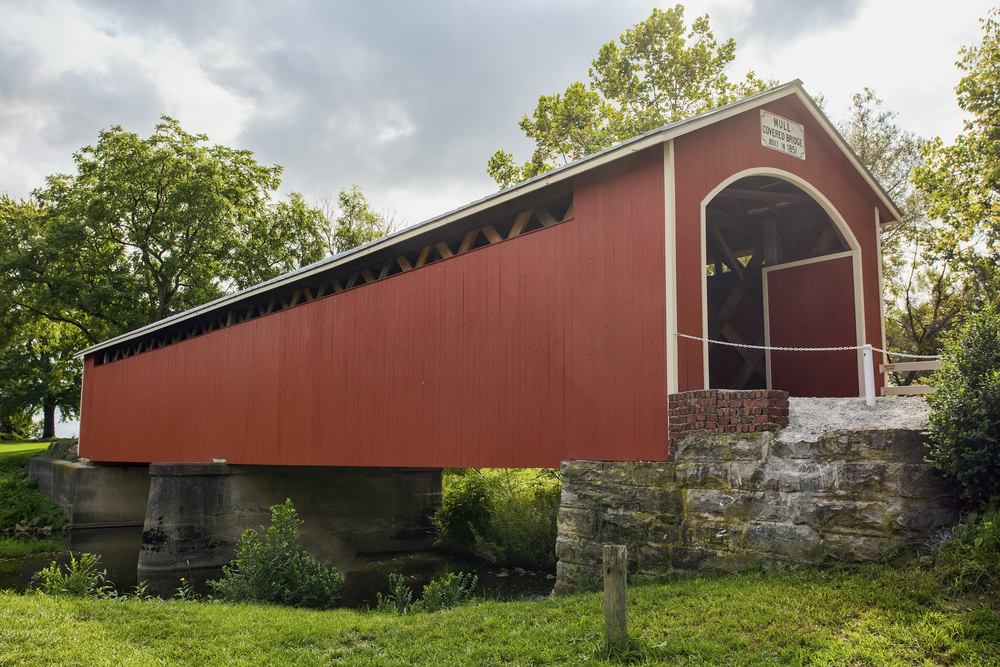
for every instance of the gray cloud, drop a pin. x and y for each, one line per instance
(388, 95)
(787, 19)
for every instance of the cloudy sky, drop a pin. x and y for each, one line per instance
(409, 99)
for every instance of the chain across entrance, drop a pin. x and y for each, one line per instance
(810, 349)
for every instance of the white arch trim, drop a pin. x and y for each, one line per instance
(835, 216)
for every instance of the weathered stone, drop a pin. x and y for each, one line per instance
(734, 501)
(664, 530)
(863, 479)
(639, 474)
(573, 521)
(703, 474)
(920, 480)
(720, 538)
(848, 514)
(798, 542)
(616, 526)
(581, 471)
(724, 447)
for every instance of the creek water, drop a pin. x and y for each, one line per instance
(364, 576)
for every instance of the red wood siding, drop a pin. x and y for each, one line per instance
(707, 157)
(544, 348)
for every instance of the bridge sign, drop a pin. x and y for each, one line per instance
(782, 135)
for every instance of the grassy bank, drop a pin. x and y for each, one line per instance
(869, 616)
(20, 499)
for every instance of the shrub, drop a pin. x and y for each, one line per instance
(965, 410)
(274, 569)
(399, 598)
(501, 516)
(444, 592)
(80, 578)
(971, 559)
(21, 502)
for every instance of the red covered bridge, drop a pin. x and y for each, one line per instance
(534, 326)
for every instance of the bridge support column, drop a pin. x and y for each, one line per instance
(197, 511)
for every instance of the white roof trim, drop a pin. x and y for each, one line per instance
(651, 138)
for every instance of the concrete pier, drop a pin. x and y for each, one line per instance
(197, 511)
(94, 496)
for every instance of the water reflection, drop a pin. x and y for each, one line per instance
(365, 576)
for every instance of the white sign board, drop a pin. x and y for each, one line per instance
(782, 135)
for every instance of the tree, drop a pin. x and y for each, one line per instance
(354, 221)
(150, 227)
(925, 297)
(652, 77)
(37, 369)
(962, 181)
(144, 229)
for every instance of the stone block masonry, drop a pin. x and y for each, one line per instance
(731, 501)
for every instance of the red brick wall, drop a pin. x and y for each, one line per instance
(723, 411)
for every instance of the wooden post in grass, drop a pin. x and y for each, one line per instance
(615, 597)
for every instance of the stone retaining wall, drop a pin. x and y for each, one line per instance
(732, 501)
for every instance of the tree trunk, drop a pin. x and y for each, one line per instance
(49, 421)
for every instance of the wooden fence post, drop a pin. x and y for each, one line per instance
(615, 595)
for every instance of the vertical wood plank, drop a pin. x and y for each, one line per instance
(615, 594)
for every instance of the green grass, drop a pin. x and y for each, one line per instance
(13, 547)
(20, 499)
(869, 616)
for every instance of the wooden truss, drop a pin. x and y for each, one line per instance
(528, 220)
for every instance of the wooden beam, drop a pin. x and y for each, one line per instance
(912, 390)
(491, 234)
(545, 217)
(337, 288)
(733, 336)
(907, 366)
(404, 264)
(307, 294)
(569, 212)
(352, 280)
(322, 288)
(424, 255)
(444, 250)
(367, 275)
(723, 316)
(748, 369)
(772, 254)
(520, 222)
(723, 247)
(467, 241)
(295, 298)
(824, 243)
(385, 270)
(765, 195)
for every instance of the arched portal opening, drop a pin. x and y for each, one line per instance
(753, 224)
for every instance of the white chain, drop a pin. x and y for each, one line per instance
(810, 349)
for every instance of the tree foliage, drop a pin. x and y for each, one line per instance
(354, 221)
(962, 181)
(659, 71)
(965, 410)
(926, 297)
(150, 227)
(144, 229)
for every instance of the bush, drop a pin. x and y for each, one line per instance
(965, 410)
(80, 578)
(444, 592)
(274, 569)
(501, 516)
(20, 500)
(971, 559)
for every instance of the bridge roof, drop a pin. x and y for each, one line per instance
(558, 175)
